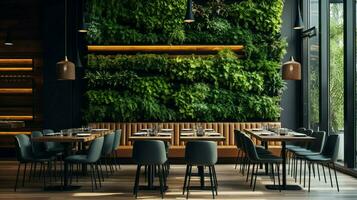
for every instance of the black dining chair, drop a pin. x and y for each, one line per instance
(116, 145)
(328, 157)
(201, 153)
(24, 155)
(150, 153)
(255, 159)
(91, 159)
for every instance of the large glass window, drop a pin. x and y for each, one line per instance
(314, 68)
(336, 73)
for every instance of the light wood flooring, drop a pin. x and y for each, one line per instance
(232, 185)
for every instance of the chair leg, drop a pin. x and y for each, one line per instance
(92, 179)
(211, 179)
(300, 169)
(329, 171)
(17, 176)
(278, 172)
(304, 173)
(215, 179)
(95, 179)
(309, 165)
(237, 159)
(318, 171)
(272, 171)
(334, 169)
(101, 170)
(323, 170)
(31, 171)
(136, 184)
(185, 181)
(252, 175)
(98, 174)
(160, 172)
(189, 181)
(246, 180)
(24, 175)
(255, 179)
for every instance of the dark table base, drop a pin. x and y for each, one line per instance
(144, 187)
(62, 188)
(287, 187)
(200, 188)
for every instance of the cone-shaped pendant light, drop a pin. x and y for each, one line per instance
(65, 69)
(8, 40)
(189, 15)
(291, 70)
(299, 23)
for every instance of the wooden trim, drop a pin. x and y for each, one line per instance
(16, 117)
(15, 69)
(14, 133)
(15, 61)
(15, 90)
(163, 48)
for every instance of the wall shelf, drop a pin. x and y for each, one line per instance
(163, 48)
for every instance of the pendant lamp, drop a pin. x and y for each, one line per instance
(8, 40)
(291, 70)
(65, 68)
(299, 23)
(189, 15)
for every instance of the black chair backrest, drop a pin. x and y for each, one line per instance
(249, 148)
(108, 143)
(201, 153)
(149, 152)
(331, 147)
(23, 147)
(117, 138)
(317, 144)
(95, 150)
(38, 147)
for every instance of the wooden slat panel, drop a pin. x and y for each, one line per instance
(227, 129)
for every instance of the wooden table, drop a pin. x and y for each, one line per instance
(283, 139)
(194, 137)
(67, 142)
(151, 171)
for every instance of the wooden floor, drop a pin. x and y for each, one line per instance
(232, 185)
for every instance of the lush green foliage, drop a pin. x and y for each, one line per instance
(212, 88)
(157, 87)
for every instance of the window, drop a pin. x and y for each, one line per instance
(313, 68)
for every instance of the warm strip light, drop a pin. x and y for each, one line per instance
(15, 90)
(164, 48)
(15, 69)
(15, 133)
(16, 117)
(16, 61)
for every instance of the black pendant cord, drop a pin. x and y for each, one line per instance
(65, 30)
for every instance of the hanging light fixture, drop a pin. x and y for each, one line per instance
(291, 70)
(299, 23)
(189, 15)
(65, 68)
(83, 25)
(8, 39)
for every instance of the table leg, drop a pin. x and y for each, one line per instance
(266, 145)
(284, 185)
(201, 173)
(66, 186)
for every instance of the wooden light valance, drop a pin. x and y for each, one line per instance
(15, 61)
(16, 117)
(15, 90)
(163, 48)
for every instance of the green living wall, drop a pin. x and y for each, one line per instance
(158, 87)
